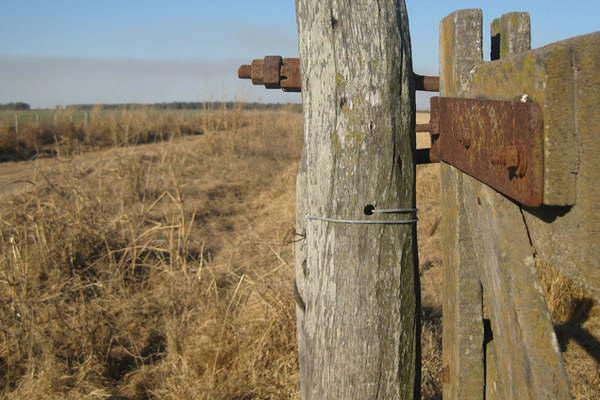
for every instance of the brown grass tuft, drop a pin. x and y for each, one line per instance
(576, 319)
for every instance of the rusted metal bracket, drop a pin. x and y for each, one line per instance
(276, 72)
(500, 143)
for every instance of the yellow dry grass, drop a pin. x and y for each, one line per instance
(69, 132)
(165, 270)
(159, 271)
(576, 319)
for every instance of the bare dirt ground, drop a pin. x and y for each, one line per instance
(165, 271)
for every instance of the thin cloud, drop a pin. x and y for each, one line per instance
(51, 81)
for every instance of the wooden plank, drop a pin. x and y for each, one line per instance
(511, 34)
(359, 331)
(528, 364)
(463, 378)
(525, 361)
(564, 79)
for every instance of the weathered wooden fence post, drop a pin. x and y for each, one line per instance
(499, 342)
(16, 124)
(357, 284)
(461, 48)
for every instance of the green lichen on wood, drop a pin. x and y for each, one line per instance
(340, 81)
(510, 33)
(335, 141)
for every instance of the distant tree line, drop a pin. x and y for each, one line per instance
(183, 105)
(15, 106)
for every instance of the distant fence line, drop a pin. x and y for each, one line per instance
(82, 115)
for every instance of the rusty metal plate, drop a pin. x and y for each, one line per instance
(500, 143)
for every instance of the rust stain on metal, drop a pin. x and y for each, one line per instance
(445, 374)
(275, 72)
(499, 143)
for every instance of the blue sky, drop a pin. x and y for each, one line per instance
(62, 52)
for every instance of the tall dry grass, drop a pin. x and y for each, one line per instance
(68, 132)
(155, 272)
(576, 318)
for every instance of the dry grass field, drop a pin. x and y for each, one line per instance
(67, 132)
(164, 270)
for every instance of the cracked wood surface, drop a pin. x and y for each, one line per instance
(358, 326)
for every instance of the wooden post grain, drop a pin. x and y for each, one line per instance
(511, 34)
(16, 124)
(357, 285)
(463, 364)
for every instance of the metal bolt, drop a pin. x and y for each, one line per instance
(276, 72)
(245, 72)
(513, 160)
(272, 72)
(427, 83)
(466, 142)
(257, 72)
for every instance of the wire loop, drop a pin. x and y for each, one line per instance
(369, 210)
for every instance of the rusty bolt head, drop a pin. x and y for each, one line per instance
(291, 79)
(466, 142)
(513, 160)
(272, 72)
(245, 72)
(257, 72)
